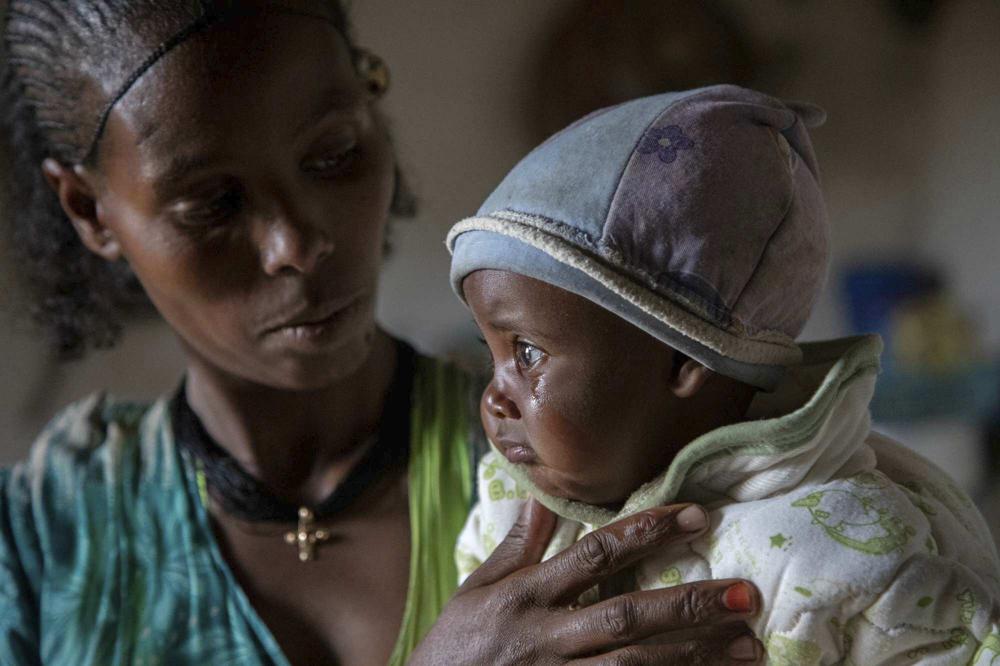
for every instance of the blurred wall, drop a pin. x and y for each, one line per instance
(908, 155)
(910, 151)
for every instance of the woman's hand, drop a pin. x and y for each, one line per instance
(515, 610)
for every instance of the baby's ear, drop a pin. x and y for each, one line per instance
(687, 376)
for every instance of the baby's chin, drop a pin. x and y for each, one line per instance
(572, 487)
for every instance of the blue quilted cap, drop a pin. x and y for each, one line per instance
(697, 216)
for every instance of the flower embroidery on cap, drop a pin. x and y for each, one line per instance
(666, 142)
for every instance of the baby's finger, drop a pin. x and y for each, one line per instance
(630, 618)
(523, 546)
(743, 650)
(613, 547)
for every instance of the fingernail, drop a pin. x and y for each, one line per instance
(692, 518)
(744, 648)
(738, 598)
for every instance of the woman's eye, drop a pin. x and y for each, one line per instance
(527, 354)
(333, 164)
(212, 210)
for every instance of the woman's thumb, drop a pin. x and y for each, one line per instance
(523, 546)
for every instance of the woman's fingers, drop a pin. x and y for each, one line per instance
(631, 618)
(523, 546)
(742, 649)
(513, 608)
(603, 552)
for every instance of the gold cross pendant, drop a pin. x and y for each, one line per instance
(305, 537)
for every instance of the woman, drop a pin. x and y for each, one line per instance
(296, 500)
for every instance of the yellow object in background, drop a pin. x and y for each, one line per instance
(931, 335)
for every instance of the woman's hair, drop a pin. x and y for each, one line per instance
(53, 51)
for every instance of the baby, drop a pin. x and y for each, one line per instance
(640, 279)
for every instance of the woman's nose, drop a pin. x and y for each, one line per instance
(498, 404)
(290, 243)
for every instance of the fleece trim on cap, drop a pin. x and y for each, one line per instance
(518, 243)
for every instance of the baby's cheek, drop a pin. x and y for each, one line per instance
(564, 439)
(569, 426)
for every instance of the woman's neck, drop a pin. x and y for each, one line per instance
(300, 444)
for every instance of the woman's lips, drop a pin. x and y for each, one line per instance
(322, 331)
(315, 314)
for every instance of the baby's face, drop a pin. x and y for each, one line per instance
(579, 397)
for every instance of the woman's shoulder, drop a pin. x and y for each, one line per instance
(99, 439)
(83, 425)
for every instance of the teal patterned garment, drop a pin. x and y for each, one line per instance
(107, 555)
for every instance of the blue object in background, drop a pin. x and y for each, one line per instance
(970, 394)
(874, 291)
(969, 391)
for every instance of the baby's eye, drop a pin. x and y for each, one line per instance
(527, 354)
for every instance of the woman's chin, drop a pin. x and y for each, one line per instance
(323, 368)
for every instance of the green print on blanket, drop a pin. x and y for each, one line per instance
(967, 603)
(499, 491)
(869, 481)
(967, 611)
(490, 471)
(784, 651)
(671, 577)
(872, 529)
(957, 636)
(990, 644)
(489, 541)
(780, 541)
(467, 562)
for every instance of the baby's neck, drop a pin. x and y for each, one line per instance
(723, 405)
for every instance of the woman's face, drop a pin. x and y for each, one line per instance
(247, 182)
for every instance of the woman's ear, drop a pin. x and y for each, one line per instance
(687, 376)
(79, 202)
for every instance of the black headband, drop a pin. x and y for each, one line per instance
(209, 13)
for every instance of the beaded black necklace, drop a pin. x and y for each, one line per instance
(242, 496)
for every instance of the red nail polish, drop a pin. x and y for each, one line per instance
(738, 598)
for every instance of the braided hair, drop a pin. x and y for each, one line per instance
(57, 54)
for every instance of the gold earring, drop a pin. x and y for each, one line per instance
(373, 70)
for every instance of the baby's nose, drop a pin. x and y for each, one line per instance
(498, 404)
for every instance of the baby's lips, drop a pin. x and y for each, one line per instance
(516, 452)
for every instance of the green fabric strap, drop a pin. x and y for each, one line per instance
(440, 491)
